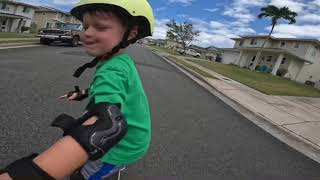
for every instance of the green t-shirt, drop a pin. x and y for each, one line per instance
(117, 81)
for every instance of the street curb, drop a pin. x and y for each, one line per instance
(4, 45)
(285, 135)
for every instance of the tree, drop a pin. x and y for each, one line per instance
(275, 14)
(182, 33)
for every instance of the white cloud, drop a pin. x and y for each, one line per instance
(240, 10)
(314, 18)
(160, 9)
(316, 2)
(64, 2)
(184, 2)
(33, 2)
(294, 5)
(160, 29)
(215, 33)
(212, 10)
(207, 39)
(301, 31)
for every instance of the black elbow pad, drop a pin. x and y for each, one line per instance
(98, 138)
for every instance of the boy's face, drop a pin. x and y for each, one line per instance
(103, 31)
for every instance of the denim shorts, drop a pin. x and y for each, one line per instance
(97, 170)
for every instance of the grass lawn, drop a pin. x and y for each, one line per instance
(16, 35)
(177, 60)
(266, 83)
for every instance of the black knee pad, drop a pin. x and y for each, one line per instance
(98, 138)
(25, 169)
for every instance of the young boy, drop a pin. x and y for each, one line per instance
(110, 26)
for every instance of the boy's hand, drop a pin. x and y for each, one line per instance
(68, 97)
(75, 95)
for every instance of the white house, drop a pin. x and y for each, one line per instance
(298, 58)
(229, 55)
(14, 15)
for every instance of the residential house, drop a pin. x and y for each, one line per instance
(212, 53)
(297, 59)
(229, 55)
(14, 15)
(48, 17)
(172, 44)
(155, 42)
(201, 50)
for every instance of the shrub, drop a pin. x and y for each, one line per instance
(281, 72)
(24, 28)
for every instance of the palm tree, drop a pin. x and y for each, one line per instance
(276, 14)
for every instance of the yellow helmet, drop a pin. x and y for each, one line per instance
(136, 8)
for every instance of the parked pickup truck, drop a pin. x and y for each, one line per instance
(64, 32)
(189, 52)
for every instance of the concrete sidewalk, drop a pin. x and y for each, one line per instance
(296, 116)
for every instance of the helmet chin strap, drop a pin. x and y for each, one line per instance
(123, 44)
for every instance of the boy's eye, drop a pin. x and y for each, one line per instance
(85, 27)
(101, 28)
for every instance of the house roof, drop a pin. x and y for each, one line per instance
(230, 49)
(50, 9)
(275, 50)
(278, 39)
(13, 16)
(19, 3)
(212, 48)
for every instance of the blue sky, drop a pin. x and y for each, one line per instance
(219, 20)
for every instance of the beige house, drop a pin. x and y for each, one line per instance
(297, 59)
(14, 15)
(172, 44)
(229, 55)
(47, 17)
(211, 53)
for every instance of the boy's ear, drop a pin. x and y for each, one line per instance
(133, 33)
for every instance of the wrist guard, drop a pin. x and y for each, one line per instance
(25, 169)
(79, 94)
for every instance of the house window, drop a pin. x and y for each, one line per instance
(253, 42)
(263, 58)
(269, 58)
(282, 44)
(49, 25)
(26, 10)
(4, 5)
(283, 60)
(296, 45)
(241, 42)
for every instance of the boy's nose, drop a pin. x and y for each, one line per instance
(89, 32)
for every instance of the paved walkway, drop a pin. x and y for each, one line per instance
(299, 116)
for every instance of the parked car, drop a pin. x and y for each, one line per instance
(189, 52)
(64, 32)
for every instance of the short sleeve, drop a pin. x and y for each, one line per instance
(109, 86)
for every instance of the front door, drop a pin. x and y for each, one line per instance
(3, 25)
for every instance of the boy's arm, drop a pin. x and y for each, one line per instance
(62, 158)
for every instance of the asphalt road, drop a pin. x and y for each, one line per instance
(194, 134)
